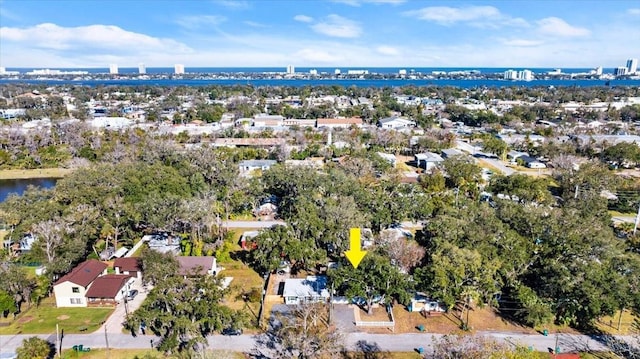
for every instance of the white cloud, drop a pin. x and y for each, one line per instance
(303, 18)
(554, 26)
(255, 24)
(96, 38)
(387, 50)
(521, 42)
(480, 16)
(199, 21)
(360, 2)
(338, 26)
(635, 11)
(233, 4)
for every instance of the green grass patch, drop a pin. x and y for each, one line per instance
(43, 319)
(35, 173)
(138, 353)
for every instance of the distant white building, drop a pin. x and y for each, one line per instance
(525, 75)
(291, 70)
(510, 75)
(313, 72)
(427, 160)
(142, 69)
(402, 72)
(179, 69)
(113, 69)
(620, 71)
(632, 66)
(396, 123)
(336, 72)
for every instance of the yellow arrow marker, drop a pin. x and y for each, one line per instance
(355, 253)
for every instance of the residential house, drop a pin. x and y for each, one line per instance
(299, 122)
(305, 290)
(427, 160)
(451, 152)
(71, 289)
(339, 122)
(163, 242)
(422, 303)
(109, 289)
(514, 155)
(249, 142)
(391, 158)
(396, 123)
(197, 266)
(247, 167)
(531, 162)
(23, 245)
(264, 120)
(130, 266)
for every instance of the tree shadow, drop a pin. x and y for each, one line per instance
(367, 350)
(617, 345)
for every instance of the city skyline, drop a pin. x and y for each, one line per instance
(341, 33)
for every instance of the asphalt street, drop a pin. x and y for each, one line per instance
(354, 341)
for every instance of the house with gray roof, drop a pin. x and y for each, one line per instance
(311, 289)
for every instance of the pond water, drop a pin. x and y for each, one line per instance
(18, 186)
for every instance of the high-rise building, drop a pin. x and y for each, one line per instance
(598, 70)
(291, 69)
(525, 75)
(632, 66)
(142, 69)
(620, 71)
(511, 75)
(336, 72)
(113, 69)
(179, 69)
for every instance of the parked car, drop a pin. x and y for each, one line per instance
(231, 331)
(132, 294)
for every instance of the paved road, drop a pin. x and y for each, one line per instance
(385, 342)
(252, 224)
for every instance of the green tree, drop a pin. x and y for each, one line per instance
(157, 266)
(183, 312)
(374, 279)
(35, 348)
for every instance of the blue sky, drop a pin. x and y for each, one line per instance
(315, 33)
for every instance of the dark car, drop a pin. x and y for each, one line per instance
(231, 331)
(132, 294)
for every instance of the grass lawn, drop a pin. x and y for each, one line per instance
(43, 319)
(244, 281)
(609, 324)
(137, 353)
(35, 173)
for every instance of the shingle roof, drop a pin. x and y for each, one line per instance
(128, 264)
(84, 273)
(107, 286)
(189, 264)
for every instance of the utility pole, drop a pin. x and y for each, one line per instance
(635, 227)
(106, 339)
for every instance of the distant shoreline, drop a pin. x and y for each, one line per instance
(34, 173)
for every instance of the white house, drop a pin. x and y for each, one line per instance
(391, 158)
(71, 289)
(396, 123)
(305, 290)
(249, 166)
(427, 160)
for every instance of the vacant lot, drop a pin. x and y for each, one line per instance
(43, 319)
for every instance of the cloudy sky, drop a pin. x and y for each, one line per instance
(318, 33)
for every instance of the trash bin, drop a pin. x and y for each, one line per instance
(421, 328)
(545, 332)
(420, 350)
(80, 347)
(557, 350)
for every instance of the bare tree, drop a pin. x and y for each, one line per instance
(303, 333)
(50, 234)
(404, 252)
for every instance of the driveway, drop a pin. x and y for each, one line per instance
(344, 318)
(115, 320)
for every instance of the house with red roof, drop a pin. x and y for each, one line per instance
(130, 266)
(109, 289)
(71, 289)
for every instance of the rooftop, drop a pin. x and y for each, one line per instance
(107, 286)
(84, 273)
